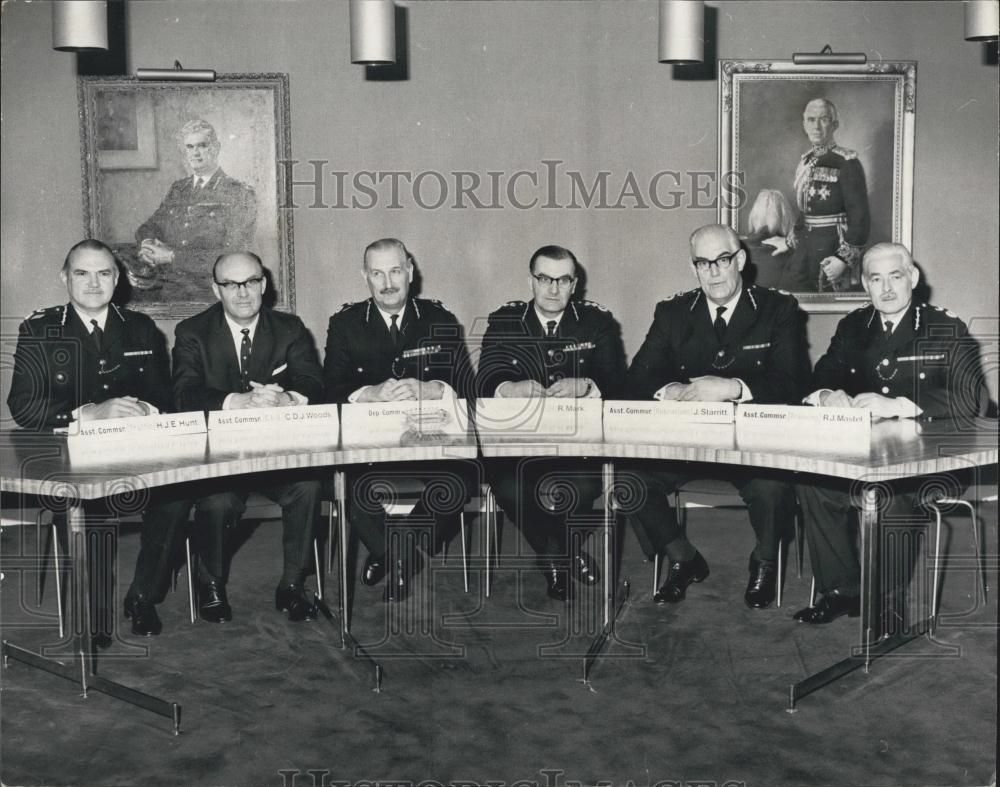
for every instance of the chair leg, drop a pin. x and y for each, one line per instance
(319, 573)
(190, 578)
(331, 511)
(812, 593)
(490, 514)
(41, 558)
(977, 547)
(465, 556)
(936, 570)
(55, 563)
(800, 546)
(781, 569)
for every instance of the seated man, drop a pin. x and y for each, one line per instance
(91, 359)
(551, 346)
(391, 348)
(722, 342)
(240, 354)
(898, 359)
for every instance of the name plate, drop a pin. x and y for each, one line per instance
(317, 417)
(269, 441)
(817, 429)
(658, 422)
(540, 418)
(377, 424)
(161, 449)
(143, 426)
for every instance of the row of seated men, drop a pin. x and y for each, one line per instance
(722, 341)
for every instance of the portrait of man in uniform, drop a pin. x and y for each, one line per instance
(837, 145)
(197, 177)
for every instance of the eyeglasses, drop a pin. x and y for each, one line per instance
(723, 263)
(545, 281)
(233, 286)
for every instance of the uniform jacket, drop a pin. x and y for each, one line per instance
(220, 216)
(929, 359)
(57, 366)
(515, 348)
(360, 352)
(764, 346)
(207, 368)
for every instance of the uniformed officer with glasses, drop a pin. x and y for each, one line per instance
(550, 346)
(722, 342)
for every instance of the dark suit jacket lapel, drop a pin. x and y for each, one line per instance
(75, 329)
(262, 352)
(114, 333)
(532, 324)
(223, 352)
(903, 334)
(743, 319)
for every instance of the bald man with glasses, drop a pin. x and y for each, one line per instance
(241, 354)
(722, 342)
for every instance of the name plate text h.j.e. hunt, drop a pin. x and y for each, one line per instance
(142, 426)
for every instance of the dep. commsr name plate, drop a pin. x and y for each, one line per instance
(410, 423)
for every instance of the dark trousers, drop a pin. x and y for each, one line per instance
(221, 510)
(447, 487)
(770, 503)
(542, 494)
(163, 522)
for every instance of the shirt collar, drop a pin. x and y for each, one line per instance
(102, 319)
(729, 305)
(237, 330)
(545, 320)
(208, 177)
(387, 316)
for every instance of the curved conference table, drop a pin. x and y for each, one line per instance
(75, 471)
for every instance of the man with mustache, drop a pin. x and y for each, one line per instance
(389, 348)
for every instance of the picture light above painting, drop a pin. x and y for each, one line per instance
(176, 173)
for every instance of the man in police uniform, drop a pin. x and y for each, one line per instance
(832, 197)
(723, 342)
(392, 347)
(559, 347)
(898, 359)
(91, 359)
(239, 354)
(202, 216)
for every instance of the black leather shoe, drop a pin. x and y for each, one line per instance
(375, 568)
(292, 599)
(762, 585)
(585, 569)
(830, 607)
(213, 605)
(142, 613)
(556, 583)
(681, 574)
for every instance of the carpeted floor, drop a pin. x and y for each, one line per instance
(483, 689)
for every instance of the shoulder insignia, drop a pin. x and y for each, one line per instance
(119, 311)
(513, 304)
(37, 313)
(594, 304)
(347, 306)
(846, 153)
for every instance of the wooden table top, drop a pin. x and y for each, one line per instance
(92, 468)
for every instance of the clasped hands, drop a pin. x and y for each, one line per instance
(262, 395)
(566, 388)
(119, 407)
(155, 252)
(407, 389)
(703, 389)
(880, 406)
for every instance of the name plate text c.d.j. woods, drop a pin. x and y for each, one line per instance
(141, 426)
(319, 417)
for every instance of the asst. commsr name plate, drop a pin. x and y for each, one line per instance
(651, 422)
(319, 417)
(144, 426)
(818, 429)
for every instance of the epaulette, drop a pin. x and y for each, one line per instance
(594, 304)
(513, 304)
(947, 312)
(846, 153)
(680, 295)
(38, 313)
(347, 306)
(117, 309)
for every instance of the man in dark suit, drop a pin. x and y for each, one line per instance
(203, 215)
(558, 347)
(91, 359)
(723, 342)
(898, 359)
(239, 354)
(392, 347)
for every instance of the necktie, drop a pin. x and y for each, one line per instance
(550, 328)
(98, 335)
(198, 184)
(394, 329)
(887, 330)
(245, 359)
(720, 323)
